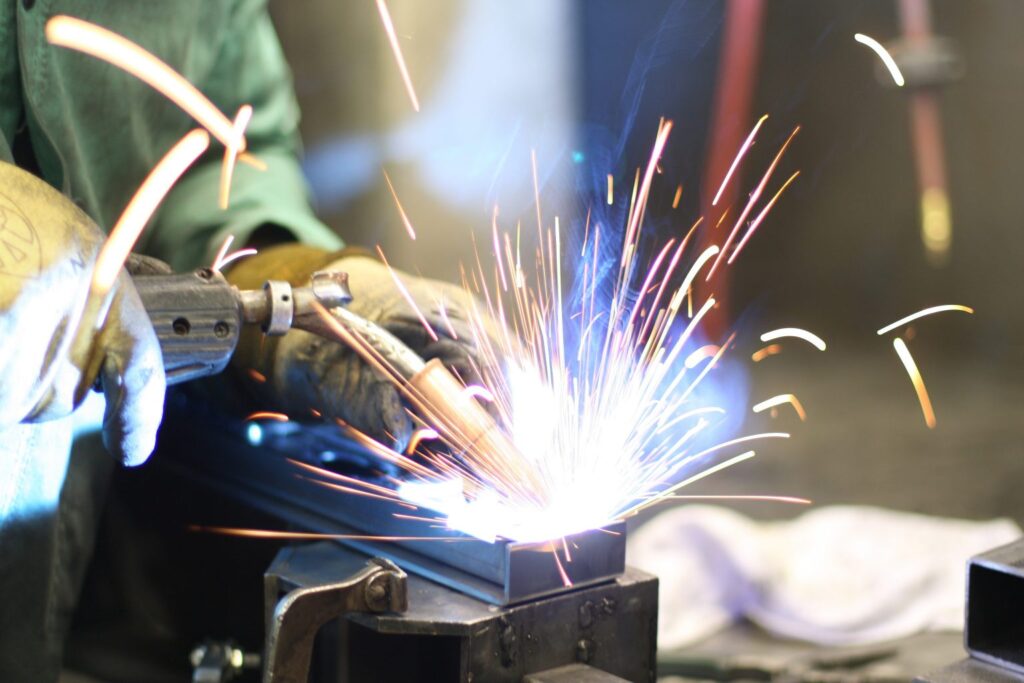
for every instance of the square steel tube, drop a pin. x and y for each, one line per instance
(501, 573)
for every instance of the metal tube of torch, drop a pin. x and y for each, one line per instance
(438, 396)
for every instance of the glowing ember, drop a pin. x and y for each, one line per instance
(267, 415)
(401, 211)
(797, 333)
(779, 400)
(922, 313)
(915, 377)
(389, 29)
(142, 206)
(883, 54)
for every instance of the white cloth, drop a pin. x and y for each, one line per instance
(841, 575)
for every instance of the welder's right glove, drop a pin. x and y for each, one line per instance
(47, 250)
(308, 373)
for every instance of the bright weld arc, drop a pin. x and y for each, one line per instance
(782, 399)
(143, 204)
(389, 29)
(922, 313)
(603, 441)
(917, 380)
(890, 63)
(797, 333)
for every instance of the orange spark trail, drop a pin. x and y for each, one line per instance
(809, 337)
(389, 29)
(611, 190)
(407, 296)
(760, 217)
(267, 415)
(422, 434)
(754, 196)
(922, 313)
(769, 350)
(141, 207)
(98, 42)
(401, 211)
(677, 197)
(231, 151)
(301, 535)
(915, 377)
(739, 155)
(779, 400)
(774, 499)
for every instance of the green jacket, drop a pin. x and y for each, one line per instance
(95, 131)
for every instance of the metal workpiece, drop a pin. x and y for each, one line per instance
(301, 596)
(197, 321)
(994, 625)
(258, 474)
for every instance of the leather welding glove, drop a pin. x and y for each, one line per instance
(307, 372)
(47, 249)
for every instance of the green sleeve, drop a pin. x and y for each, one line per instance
(250, 69)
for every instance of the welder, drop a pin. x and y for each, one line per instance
(92, 133)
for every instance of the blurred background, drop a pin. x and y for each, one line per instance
(583, 85)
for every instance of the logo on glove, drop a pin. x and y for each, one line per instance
(19, 243)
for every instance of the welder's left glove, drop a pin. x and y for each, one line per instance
(306, 372)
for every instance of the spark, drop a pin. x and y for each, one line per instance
(780, 400)
(677, 197)
(890, 63)
(117, 50)
(266, 415)
(922, 313)
(142, 206)
(256, 375)
(223, 258)
(422, 434)
(561, 570)
(797, 333)
(611, 190)
(915, 377)
(389, 29)
(763, 353)
(309, 536)
(760, 217)
(407, 296)
(752, 200)
(478, 392)
(401, 211)
(703, 353)
(739, 155)
(773, 499)
(231, 150)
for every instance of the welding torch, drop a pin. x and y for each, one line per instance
(198, 318)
